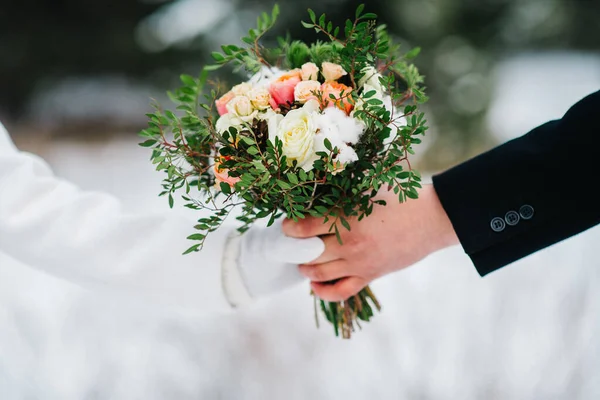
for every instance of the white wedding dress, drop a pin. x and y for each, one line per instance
(87, 238)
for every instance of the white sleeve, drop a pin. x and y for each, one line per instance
(89, 239)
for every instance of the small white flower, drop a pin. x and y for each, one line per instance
(332, 72)
(241, 107)
(341, 131)
(242, 89)
(265, 76)
(379, 95)
(347, 128)
(260, 98)
(371, 78)
(297, 133)
(306, 90)
(310, 72)
(227, 121)
(347, 155)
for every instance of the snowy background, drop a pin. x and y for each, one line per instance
(528, 331)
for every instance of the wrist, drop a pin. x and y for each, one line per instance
(441, 232)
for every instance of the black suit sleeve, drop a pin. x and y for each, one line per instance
(529, 193)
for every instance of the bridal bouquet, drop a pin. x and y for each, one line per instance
(314, 130)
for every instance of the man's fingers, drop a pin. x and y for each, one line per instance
(305, 228)
(339, 291)
(326, 272)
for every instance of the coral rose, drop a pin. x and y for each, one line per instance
(282, 89)
(342, 100)
(222, 174)
(221, 103)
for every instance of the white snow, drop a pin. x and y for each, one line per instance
(528, 331)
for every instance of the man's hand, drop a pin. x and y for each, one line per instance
(393, 237)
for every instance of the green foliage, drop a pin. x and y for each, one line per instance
(185, 144)
(298, 53)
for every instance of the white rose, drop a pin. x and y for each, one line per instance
(228, 121)
(242, 89)
(306, 90)
(332, 72)
(266, 115)
(310, 72)
(260, 98)
(297, 133)
(371, 78)
(241, 107)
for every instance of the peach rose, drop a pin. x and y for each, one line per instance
(260, 98)
(282, 89)
(310, 72)
(332, 72)
(306, 90)
(336, 89)
(222, 175)
(241, 107)
(222, 102)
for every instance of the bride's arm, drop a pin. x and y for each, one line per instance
(88, 238)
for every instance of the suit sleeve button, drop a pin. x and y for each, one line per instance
(512, 218)
(498, 224)
(526, 211)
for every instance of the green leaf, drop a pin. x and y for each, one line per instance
(188, 90)
(225, 188)
(322, 210)
(306, 24)
(292, 178)
(197, 236)
(171, 201)
(312, 15)
(345, 223)
(370, 93)
(411, 193)
(148, 143)
(170, 115)
(359, 10)
(283, 185)
(193, 249)
(337, 235)
(188, 80)
(271, 220)
(218, 57)
(412, 53)
(327, 144)
(303, 175)
(275, 13)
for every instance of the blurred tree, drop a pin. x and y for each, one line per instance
(462, 40)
